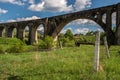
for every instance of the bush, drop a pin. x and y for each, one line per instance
(42, 44)
(17, 49)
(47, 43)
(2, 50)
(70, 43)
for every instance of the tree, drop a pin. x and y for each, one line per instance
(69, 34)
(90, 33)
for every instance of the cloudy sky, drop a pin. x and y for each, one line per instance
(17, 10)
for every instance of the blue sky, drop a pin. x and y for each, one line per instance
(17, 10)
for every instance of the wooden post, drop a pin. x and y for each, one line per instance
(106, 46)
(97, 50)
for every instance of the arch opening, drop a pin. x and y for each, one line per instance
(26, 34)
(40, 33)
(81, 26)
(113, 21)
(14, 33)
(3, 32)
(104, 18)
(82, 30)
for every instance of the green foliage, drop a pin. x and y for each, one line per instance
(90, 33)
(11, 45)
(11, 41)
(47, 43)
(42, 44)
(17, 49)
(69, 34)
(2, 49)
(67, 39)
(86, 39)
(69, 43)
(66, 42)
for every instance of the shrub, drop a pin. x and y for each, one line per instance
(77, 43)
(42, 44)
(47, 43)
(11, 41)
(70, 43)
(65, 40)
(2, 50)
(17, 49)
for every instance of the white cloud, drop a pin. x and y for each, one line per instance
(40, 28)
(59, 5)
(38, 7)
(11, 20)
(51, 5)
(82, 4)
(114, 18)
(82, 21)
(31, 1)
(82, 30)
(17, 2)
(3, 11)
(28, 18)
(24, 19)
(64, 30)
(76, 31)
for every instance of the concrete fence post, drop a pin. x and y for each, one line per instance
(97, 51)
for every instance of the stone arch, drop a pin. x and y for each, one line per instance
(20, 30)
(61, 26)
(92, 25)
(96, 15)
(33, 26)
(11, 31)
(38, 32)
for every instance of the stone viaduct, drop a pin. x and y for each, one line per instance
(53, 25)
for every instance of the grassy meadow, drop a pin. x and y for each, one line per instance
(69, 63)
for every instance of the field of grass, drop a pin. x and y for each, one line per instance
(73, 63)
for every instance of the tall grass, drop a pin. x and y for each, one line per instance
(73, 63)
